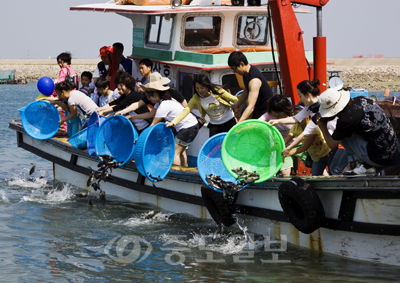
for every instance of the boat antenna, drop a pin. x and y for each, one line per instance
(272, 48)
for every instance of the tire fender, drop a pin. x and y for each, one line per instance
(218, 207)
(301, 205)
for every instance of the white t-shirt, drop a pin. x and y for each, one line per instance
(116, 94)
(140, 124)
(104, 100)
(311, 126)
(219, 113)
(82, 102)
(169, 109)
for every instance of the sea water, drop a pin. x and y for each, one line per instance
(48, 234)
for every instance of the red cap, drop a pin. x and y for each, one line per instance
(105, 50)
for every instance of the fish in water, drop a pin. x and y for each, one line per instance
(96, 186)
(151, 214)
(82, 195)
(102, 195)
(91, 176)
(158, 178)
(32, 169)
(90, 202)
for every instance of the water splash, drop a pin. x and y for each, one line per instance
(140, 219)
(53, 196)
(4, 198)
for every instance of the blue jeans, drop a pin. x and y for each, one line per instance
(339, 162)
(318, 167)
(356, 147)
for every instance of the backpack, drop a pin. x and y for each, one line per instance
(102, 69)
(71, 79)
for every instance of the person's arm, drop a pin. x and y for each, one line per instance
(130, 108)
(288, 138)
(184, 112)
(74, 112)
(156, 121)
(254, 88)
(287, 120)
(147, 115)
(184, 103)
(105, 109)
(327, 136)
(227, 96)
(307, 143)
(238, 105)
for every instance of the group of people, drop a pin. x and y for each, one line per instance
(331, 128)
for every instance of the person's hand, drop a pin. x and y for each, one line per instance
(285, 152)
(108, 78)
(273, 122)
(129, 117)
(238, 112)
(118, 113)
(61, 122)
(169, 124)
(316, 118)
(100, 112)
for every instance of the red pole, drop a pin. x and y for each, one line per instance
(319, 46)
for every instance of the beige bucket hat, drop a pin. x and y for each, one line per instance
(157, 82)
(332, 102)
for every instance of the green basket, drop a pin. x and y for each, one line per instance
(255, 146)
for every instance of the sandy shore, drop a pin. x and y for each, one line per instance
(373, 74)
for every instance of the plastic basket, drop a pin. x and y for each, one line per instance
(21, 111)
(79, 139)
(94, 123)
(154, 152)
(209, 161)
(255, 146)
(40, 120)
(116, 137)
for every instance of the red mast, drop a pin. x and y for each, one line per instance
(289, 39)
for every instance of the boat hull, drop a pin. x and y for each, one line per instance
(362, 220)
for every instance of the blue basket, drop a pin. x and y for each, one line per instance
(79, 139)
(21, 111)
(209, 161)
(40, 120)
(116, 137)
(94, 123)
(155, 151)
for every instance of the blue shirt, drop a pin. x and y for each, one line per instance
(127, 64)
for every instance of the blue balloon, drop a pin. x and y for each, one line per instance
(45, 85)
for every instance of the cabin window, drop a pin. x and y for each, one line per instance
(201, 30)
(159, 30)
(252, 30)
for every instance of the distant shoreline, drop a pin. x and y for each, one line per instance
(372, 74)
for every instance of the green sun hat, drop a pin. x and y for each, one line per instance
(253, 145)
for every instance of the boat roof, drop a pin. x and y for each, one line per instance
(167, 9)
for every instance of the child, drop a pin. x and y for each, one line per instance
(280, 107)
(103, 89)
(86, 78)
(314, 144)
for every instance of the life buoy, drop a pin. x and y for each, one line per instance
(219, 50)
(256, 49)
(218, 207)
(301, 205)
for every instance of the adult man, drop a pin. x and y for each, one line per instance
(257, 91)
(102, 70)
(362, 127)
(125, 62)
(145, 66)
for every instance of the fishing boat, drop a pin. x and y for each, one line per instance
(357, 218)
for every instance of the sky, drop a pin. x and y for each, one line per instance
(44, 28)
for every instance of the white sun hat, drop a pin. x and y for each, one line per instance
(332, 102)
(157, 82)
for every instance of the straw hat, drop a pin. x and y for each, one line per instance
(332, 102)
(156, 83)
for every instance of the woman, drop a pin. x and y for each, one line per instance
(308, 92)
(167, 109)
(129, 96)
(213, 101)
(73, 101)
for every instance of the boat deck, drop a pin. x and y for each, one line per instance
(190, 174)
